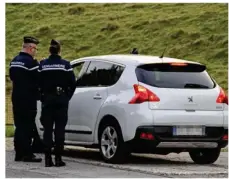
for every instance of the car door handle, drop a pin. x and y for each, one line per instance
(97, 96)
(190, 110)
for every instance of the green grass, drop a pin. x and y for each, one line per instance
(9, 131)
(197, 32)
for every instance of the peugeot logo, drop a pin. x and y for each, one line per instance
(190, 99)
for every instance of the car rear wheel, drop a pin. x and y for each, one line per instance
(112, 147)
(205, 156)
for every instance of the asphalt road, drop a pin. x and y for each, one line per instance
(87, 163)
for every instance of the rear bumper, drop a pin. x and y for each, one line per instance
(187, 145)
(164, 139)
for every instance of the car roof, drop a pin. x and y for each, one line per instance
(134, 59)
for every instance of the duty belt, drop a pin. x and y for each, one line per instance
(57, 90)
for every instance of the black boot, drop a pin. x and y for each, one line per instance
(48, 160)
(59, 162)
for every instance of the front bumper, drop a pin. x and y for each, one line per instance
(164, 140)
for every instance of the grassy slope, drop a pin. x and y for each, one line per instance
(196, 32)
(9, 131)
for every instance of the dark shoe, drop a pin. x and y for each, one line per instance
(59, 162)
(32, 158)
(48, 161)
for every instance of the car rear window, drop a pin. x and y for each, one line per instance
(167, 75)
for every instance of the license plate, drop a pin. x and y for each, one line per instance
(188, 131)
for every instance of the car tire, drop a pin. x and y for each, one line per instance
(205, 156)
(107, 145)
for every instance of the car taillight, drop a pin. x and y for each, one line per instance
(146, 136)
(222, 98)
(142, 94)
(225, 137)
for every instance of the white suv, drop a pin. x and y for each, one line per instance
(146, 104)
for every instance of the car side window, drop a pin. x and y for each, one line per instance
(77, 69)
(100, 74)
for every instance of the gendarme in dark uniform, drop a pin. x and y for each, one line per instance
(23, 74)
(57, 84)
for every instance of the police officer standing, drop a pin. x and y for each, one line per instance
(57, 85)
(23, 74)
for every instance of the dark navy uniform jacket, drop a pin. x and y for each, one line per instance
(23, 74)
(56, 72)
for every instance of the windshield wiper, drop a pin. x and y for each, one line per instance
(193, 85)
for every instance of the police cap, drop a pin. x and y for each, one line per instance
(29, 39)
(55, 43)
